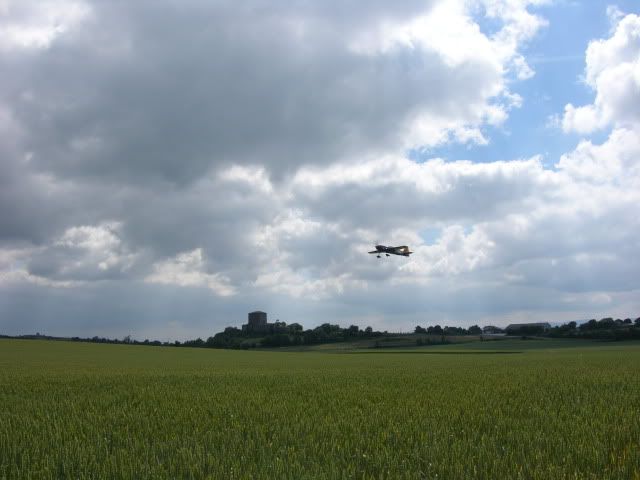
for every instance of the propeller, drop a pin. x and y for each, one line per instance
(377, 242)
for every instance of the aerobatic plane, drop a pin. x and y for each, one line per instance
(401, 250)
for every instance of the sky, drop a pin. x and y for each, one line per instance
(168, 166)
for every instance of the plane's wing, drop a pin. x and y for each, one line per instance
(375, 251)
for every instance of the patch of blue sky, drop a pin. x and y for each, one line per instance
(557, 55)
(431, 235)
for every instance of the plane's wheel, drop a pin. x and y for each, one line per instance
(387, 254)
(378, 256)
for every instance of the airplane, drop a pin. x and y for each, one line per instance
(401, 250)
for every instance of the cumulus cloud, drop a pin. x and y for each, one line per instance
(31, 24)
(139, 93)
(509, 218)
(84, 253)
(395, 191)
(613, 72)
(186, 270)
(616, 161)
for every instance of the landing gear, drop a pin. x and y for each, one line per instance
(387, 254)
(378, 256)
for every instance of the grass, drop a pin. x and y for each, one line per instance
(74, 410)
(387, 341)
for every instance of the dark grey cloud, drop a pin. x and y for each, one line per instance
(167, 312)
(400, 193)
(139, 93)
(153, 96)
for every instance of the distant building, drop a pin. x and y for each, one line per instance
(490, 329)
(527, 328)
(257, 319)
(257, 322)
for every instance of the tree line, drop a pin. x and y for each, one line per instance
(280, 334)
(603, 329)
(438, 330)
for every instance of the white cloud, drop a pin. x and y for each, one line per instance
(613, 72)
(615, 15)
(14, 270)
(18, 277)
(187, 270)
(454, 253)
(616, 162)
(505, 222)
(81, 254)
(91, 238)
(254, 177)
(36, 24)
(296, 285)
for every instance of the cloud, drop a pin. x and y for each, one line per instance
(139, 94)
(186, 270)
(30, 24)
(84, 253)
(613, 72)
(167, 168)
(614, 162)
(499, 219)
(395, 191)
(546, 235)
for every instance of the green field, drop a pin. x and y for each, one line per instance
(556, 409)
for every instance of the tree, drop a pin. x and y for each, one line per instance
(295, 328)
(606, 323)
(590, 325)
(277, 340)
(352, 331)
(198, 342)
(232, 331)
(279, 327)
(311, 337)
(419, 329)
(475, 330)
(454, 330)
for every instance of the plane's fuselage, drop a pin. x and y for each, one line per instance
(402, 250)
